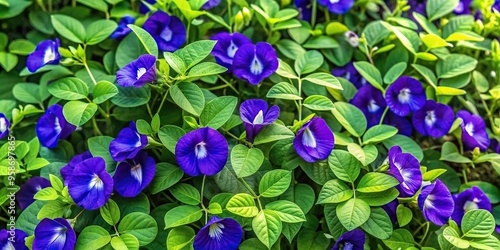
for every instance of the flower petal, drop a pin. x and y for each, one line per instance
(134, 175)
(54, 234)
(436, 203)
(28, 190)
(314, 141)
(219, 234)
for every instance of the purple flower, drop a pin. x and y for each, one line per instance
(463, 7)
(168, 31)
(138, 72)
(314, 141)
(68, 169)
(418, 6)
(391, 208)
(219, 234)
(128, 143)
(28, 190)
(255, 116)
(436, 203)
(201, 151)
(350, 73)
(370, 100)
(473, 131)
(54, 234)
(226, 47)
(52, 126)
(210, 4)
(134, 175)
(469, 199)
(90, 185)
(4, 126)
(434, 119)
(406, 169)
(13, 239)
(46, 52)
(495, 146)
(352, 240)
(405, 95)
(338, 7)
(122, 30)
(255, 62)
(143, 9)
(401, 123)
(304, 8)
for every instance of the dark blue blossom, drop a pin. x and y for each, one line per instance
(401, 123)
(68, 169)
(352, 240)
(304, 8)
(90, 185)
(436, 203)
(52, 126)
(226, 47)
(219, 234)
(202, 151)
(463, 7)
(391, 209)
(138, 72)
(473, 131)
(255, 62)
(418, 6)
(168, 31)
(4, 126)
(406, 169)
(210, 4)
(338, 7)
(255, 116)
(434, 119)
(495, 146)
(54, 234)
(469, 199)
(350, 73)
(28, 190)
(314, 141)
(405, 95)
(128, 143)
(18, 240)
(46, 52)
(134, 175)
(370, 100)
(122, 30)
(143, 9)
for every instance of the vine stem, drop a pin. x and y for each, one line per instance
(300, 101)
(383, 115)
(251, 191)
(201, 198)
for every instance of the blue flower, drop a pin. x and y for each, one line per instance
(314, 141)
(406, 169)
(46, 52)
(405, 95)
(18, 242)
(90, 185)
(338, 7)
(4, 126)
(350, 73)
(28, 190)
(52, 126)
(226, 47)
(138, 72)
(210, 4)
(434, 119)
(473, 131)
(352, 240)
(68, 169)
(436, 203)
(134, 175)
(54, 234)
(391, 210)
(463, 7)
(168, 31)
(128, 143)
(143, 9)
(401, 123)
(255, 62)
(495, 146)
(122, 30)
(202, 151)
(370, 100)
(304, 8)
(255, 116)
(219, 234)
(469, 199)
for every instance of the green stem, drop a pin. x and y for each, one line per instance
(383, 115)
(162, 101)
(314, 10)
(149, 110)
(96, 128)
(251, 191)
(229, 13)
(201, 198)
(300, 101)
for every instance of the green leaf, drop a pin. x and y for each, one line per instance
(146, 40)
(345, 166)
(302, 195)
(267, 226)
(285, 70)
(185, 193)
(274, 183)
(99, 30)
(169, 136)
(180, 238)
(482, 84)
(27, 92)
(433, 41)
(375, 32)
(56, 183)
(140, 225)
(336, 28)
(408, 38)
(458, 23)
(454, 238)
(218, 111)
(143, 127)
(175, 62)
(99, 146)
(379, 133)
(287, 211)
(95, 4)
(438, 8)
(394, 72)
(378, 224)
(376, 182)
(443, 90)
(332, 221)
(94, 236)
(124, 242)
(404, 215)
(129, 49)
(13, 8)
(243, 205)
(477, 223)
(285, 91)
(490, 242)
(110, 212)
(69, 27)
(69, 88)
(324, 79)
(37, 163)
(78, 112)
(195, 52)
(206, 69)
(129, 97)
(52, 209)
(370, 73)
(8, 60)
(103, 91)
(454, 65)
(426, 73)
(21, 47)
(400, 239)
(310, 239)
(351, 118)
(166, 176)
(358, 152)
(334, 191)
(308, 62)
(449, 152)
(189, 97)
(429, 27)
(272, 133)
(46, 194)
(246, 161)
(319, 103)
(407, 145)
(353, 213)
(321, 42)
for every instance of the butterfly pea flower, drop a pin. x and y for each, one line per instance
(134, 175)
(138, 72)
(473, 131)
(202, 151)
(226, 47)
(68, 169)
(52, 126)
(469, 199)
(391, 208)
(495, 146)
(352, 240)
(371, 102)
(401, 123)
(28, 190)
(210, 4)
(4, 126)
(434, 119)
(168, 31)
(128, 143)
(314, 141)
(143, 9)
(219, 233)
(255, 62)
(350, 73)
(54, 234)
(338, 7)
(436, 203)
(122, 30)
(406, 169)
(255, 115)
(46, 52)
(463, 7)
(405, 95)
(18, 242)
(304, 8)
(90, 185)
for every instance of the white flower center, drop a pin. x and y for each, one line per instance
(140, 72)
(231, 50)
(428, 201)
(259, 118)
(166, 34)
(96, 182)
(200, 150)
(9, 246)
(136, 172)
(139, 142)
(430, 118)
(49, 55)
(404, 95)
(348, 246)
(460, 7)
(347, 75)
(256, 66)
(57, 127)
(215, 231)
(470, 205)
(38, 188)
(372, 106)
(469, 128)
(308, 138)
(334, 1)
(59, 236)
(3, 125)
